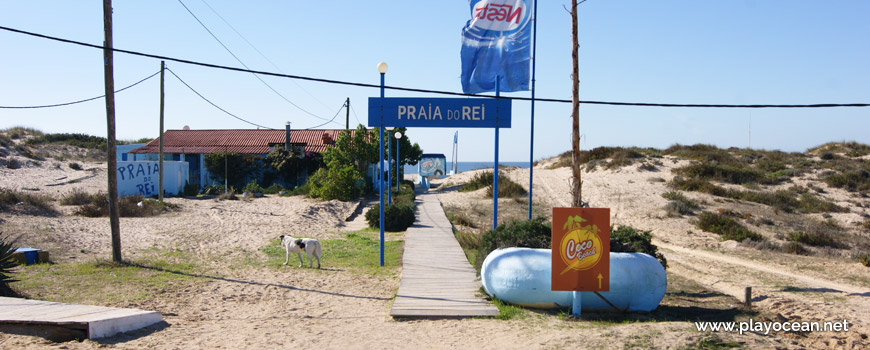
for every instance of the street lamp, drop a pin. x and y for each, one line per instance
(382, 68)
(390, 166)
(398, 161)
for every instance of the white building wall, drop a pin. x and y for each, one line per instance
(142, 177)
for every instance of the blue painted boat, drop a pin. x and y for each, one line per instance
(521, 276)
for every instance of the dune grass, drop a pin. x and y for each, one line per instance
(28, 202)
(726, 227)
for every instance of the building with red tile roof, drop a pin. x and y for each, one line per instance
(192, 145)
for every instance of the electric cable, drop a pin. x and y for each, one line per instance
(79, 101)
(213, 104)
(331, 120)
(261, 53)
(425, 91)
(246, 66)
(354, 115)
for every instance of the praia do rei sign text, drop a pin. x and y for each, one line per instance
(581, 249)
(440, 112)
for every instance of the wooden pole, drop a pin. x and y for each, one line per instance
(747, 298)
(160, 161)
(114, 220)
(576, 189)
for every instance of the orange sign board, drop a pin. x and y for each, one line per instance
(581, 249)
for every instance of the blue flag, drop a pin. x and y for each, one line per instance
(496, 42)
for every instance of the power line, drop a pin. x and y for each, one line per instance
(354, 115)
(212, 103)
(331, 120)
(79, 101)
(261, 53)
(246, 66)
(397, 88)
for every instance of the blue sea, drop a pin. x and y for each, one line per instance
(466, 166)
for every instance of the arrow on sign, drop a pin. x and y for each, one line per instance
(599, 280)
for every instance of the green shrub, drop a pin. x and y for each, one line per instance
(725, 173)
(274, 189)
(335, 182)
(850, 180)
(630, 240)
(795, 248)
(78, 140)
(397, 217)
(75, 166)
(679, 205)
(785, 200)
(300, 190)
(6, 266)
(816, 238)
(696, 185)
(190, 190)
(534, 233)
(727, 228)
(701, 152)
(253, 187)
(864, 259)
(810, 203)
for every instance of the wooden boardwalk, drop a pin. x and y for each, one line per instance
(437, 279)
(59, 321)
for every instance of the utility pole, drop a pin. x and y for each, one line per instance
(114, 221)
(160, 161)
(347, 114)
(576, 189)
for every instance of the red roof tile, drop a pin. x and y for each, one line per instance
(243, 141)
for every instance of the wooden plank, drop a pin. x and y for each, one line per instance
(60, 321)
(437, 280)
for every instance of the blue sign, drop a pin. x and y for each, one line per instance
(496, 45)
(440, 112)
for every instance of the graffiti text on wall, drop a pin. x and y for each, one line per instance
(143, 175)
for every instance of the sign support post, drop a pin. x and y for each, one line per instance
(382, 68)
(390, 167)
(532, 128)
(495, 170)
(581, 252)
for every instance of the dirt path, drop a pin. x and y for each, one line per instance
(811, 282)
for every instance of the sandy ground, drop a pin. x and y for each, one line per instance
(794, 287)
(249, 306)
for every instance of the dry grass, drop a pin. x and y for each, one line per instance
(27, 203)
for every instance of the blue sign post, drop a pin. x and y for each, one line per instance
(437, 113)
(440, 112)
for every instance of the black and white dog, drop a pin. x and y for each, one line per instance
(297, 245)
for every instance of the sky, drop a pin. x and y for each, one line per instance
(668, 51)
